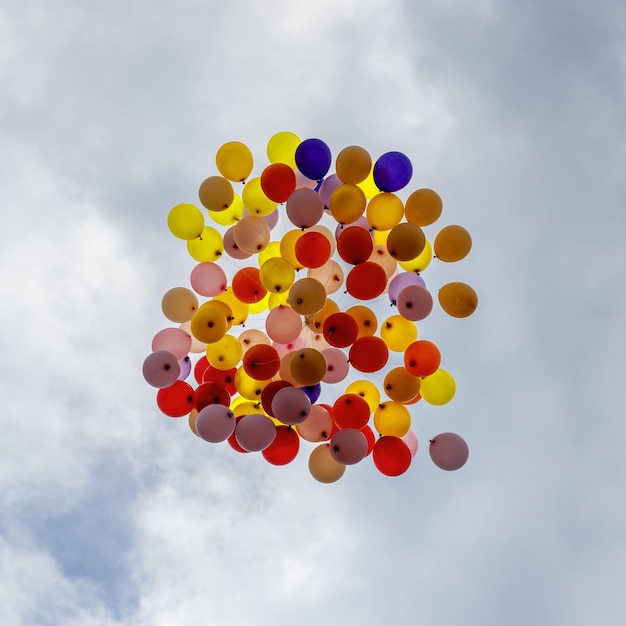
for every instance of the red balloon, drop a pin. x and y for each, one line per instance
(199, 368)
(340, 330)
(366, 281)
(391, 455)
(247, 285)
(371, 438)
(368, 354)
(232, 440)
(261, 361)
(284, 448)
(422, 358)
(312, 249)
(176, 400)
(355, 244)
(226, 378)
(210, 393)
(278, 181)
(351, 411)
(268, 393)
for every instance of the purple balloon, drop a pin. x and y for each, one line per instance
(255, 432)
(348, 446)
(215, 423)
(415, 303)
(161, 369)
(185, 368)
(291, 405)
(313, 158)
(327, 187)
(392, 171)
(313, 392)
(448, 451)
(399, 282)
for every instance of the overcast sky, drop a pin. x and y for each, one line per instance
(113, 514)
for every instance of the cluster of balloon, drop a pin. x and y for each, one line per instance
(277, 324)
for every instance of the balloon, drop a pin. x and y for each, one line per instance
(354, 245)
(415, 303)
(252, 337)
(179, 304)
(337, 365)
(422, 358)
(312, 250)
(185, 221)
(398, 333)
(254, 199)
(209, 323)
(247, 285)
(261, 362)
(399, 282)
(231, 215)
(340, 330)
(365, 320)
(278, 182)
(304, 208)
(216, 193)
(448, 451)
(312, 391)
(384, 211)
(438, 388)
(284, 448)
(351, 411)
(288, 248)
(392, 171)
(423, 207)
(327, 187)
(177, 399)
(268, 393)
(255, 432)
(224, 353)
(347, 203)
(208, 279)
(210, 393)
(234, 161)
(368, 354)
(330, 275)
(313, 158)
(185, 367)
(251, 234)
(291, 405)
(237, 310)
(401, 385)
(317, 426)
(458, 299)
(277, 275)
(412, 442)
(323, 467)
(366, 281)
(366, 390)
(283, 324)
(161, 369)
(307, 296)
(281, 148)
(452, 243)
(392, 418)
(392, 457)
(405, 241)
(248, 387)
(380, 255)
(308, 366)
(231, 248)
(173, 340)
(215, 423)
(225, 378)
(208, 247)
(353, 164)
(420, 262)
(192, 422)
(348, 446)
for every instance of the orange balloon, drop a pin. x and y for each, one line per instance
(216, 193)
(365, 318)
(423, 207)
(401, 385)
(458, 299)
(247, 285)
(422, 358)
(405, 241)
(353, 165)
(452, 243)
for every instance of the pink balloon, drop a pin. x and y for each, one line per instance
(215, 423)
(291, 405)
(231, 248)
(348, 446)
(161, 369)
(317, 426)
(448, 451)
(255, 432)
(361, 223)
(208, 279)
(271, 219)
(304, 208)
(415, 303)
(411, 441)
(328, 186)
(303, 181)
(337, 365)
(173, 340)
(283, 324)
(283, 348)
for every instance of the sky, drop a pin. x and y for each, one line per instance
(113, 514)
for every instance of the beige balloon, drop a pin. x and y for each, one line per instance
(322, 465)
(179, 304)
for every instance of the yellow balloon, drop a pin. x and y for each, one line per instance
(452, 243)
(365, 318)
(353, 165)
(225, 353)
(392, 418)
(281, 148)
(222, 306)
(209, 324)
(458, 299)
(438, 388)
(239, 310)
(208, 247)
(262, 305)
(400, 385)
(347, 203)
(384, 211)
(307, 296)
(278, 299)
(234, 161)
(308, 366)
(255, 200)
(248, 387)
(277, 275)
(380, 237)
(242, 406)
(421, 261)
(179, 304)
(231, 215)
(405, 241)
(185, 221)
(272, 250)
(398, 333)
(367, 390)
(368, 186)
(423, 207)
(323, 466)
(288, 248)
(216, 193)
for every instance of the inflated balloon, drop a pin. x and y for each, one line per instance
(458, 299)
(448, 451)
(303, 278)
(392, 171)
(185, 221)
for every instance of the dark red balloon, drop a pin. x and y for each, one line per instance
(278, 182)
(351, 411)
(355, 244)
(340, 330)
(261, 361)
(391, 455)
(176, 400)
(366, 281)
(268, 393)
(368, 354)
(284, 448)
(211, 393)
(199, 368)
